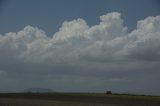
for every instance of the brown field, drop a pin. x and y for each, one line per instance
(76, 99)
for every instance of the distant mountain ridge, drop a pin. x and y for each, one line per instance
(38, 90)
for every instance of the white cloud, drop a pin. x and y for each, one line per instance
(73, 40)
(71, 30)
(144, 42)
(78, 48)
(76, 40)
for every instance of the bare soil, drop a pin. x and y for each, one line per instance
(70, 99)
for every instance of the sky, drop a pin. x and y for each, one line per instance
(80, 45)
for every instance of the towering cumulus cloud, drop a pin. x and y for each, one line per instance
(102, 53)
(77, 41)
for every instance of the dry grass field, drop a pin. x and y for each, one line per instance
(76, 99)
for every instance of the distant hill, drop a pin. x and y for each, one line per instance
(38, 90)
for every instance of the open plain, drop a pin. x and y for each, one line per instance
(76, 99)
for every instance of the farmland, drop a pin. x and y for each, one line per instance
(76, 99)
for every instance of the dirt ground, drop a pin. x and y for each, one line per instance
(61, 99)
(29, 102)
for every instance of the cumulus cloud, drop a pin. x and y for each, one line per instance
(107, 41)
(145, 43)
(75, 40)
(98, 50)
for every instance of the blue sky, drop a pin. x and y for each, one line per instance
(50, 14)
(80, 45)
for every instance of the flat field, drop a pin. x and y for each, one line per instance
(76, 99)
